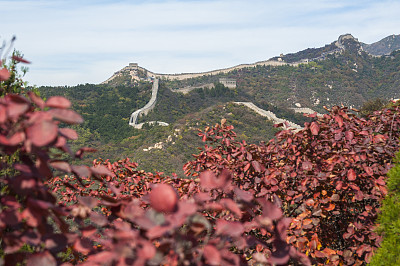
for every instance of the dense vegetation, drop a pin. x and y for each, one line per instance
(106, 125)
(307, 197)
(105, 109)
(328, 179)
(389, 221)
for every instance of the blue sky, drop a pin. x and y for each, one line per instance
(72, 42)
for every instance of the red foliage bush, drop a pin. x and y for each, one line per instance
(105, 215)
(330, 177)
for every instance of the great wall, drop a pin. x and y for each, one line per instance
(153, 100)
(270, 115)
(133, 69)
(146, 109)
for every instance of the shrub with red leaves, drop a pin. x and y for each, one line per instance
(316, 191)
(113, 214)
(213, 221)
(330, 177)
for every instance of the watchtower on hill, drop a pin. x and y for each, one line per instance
(133, 66)
(227, 82)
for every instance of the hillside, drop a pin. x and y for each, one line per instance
(383, 47)
(339, 73)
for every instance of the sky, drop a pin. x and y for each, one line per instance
(72, 42)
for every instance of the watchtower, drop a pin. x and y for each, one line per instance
(227, 82)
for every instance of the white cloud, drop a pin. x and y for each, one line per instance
(71, 42)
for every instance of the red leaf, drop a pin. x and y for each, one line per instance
(243, 195)
(314, 128)
(83, 245)
(270, 210)
(163, 198)
(213, 206)
(310, 202)
(42, 133)
(98, 219)
(100, 170)
(319, 254)
(232, 206)
(351, 175)
(20, 59)
(4, 74)
(368, 170)
(16, 98)
(89, 202)
(202, 197)
(81, 170)
(69, 133)
(339, 120)
(307, 166)
(15, 110)
(256, 165)
(339, 185)
(3, 114)
(103, 258)
(147, 251)
(42, 259)
(61, 165)
(208, 180)
(88, 231)
(349, 135)
(36, 99)
(379, 138)
(335, 197)
(330, 207)
(212, 255)
(66, 115)
(58, 102)
(329, 252)
(247, 167)
(233, 229)
(15, 139)
(157, 231)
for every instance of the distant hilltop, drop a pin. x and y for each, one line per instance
(384, 46)
(346, 41)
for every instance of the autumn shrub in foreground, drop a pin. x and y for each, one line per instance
(315, 192)
(330, 178)
(112, 214)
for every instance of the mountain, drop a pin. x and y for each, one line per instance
(383, 47)
(342, 72)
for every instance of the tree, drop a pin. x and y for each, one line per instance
(389, 221)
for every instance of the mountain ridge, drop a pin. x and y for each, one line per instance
(382, 47)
